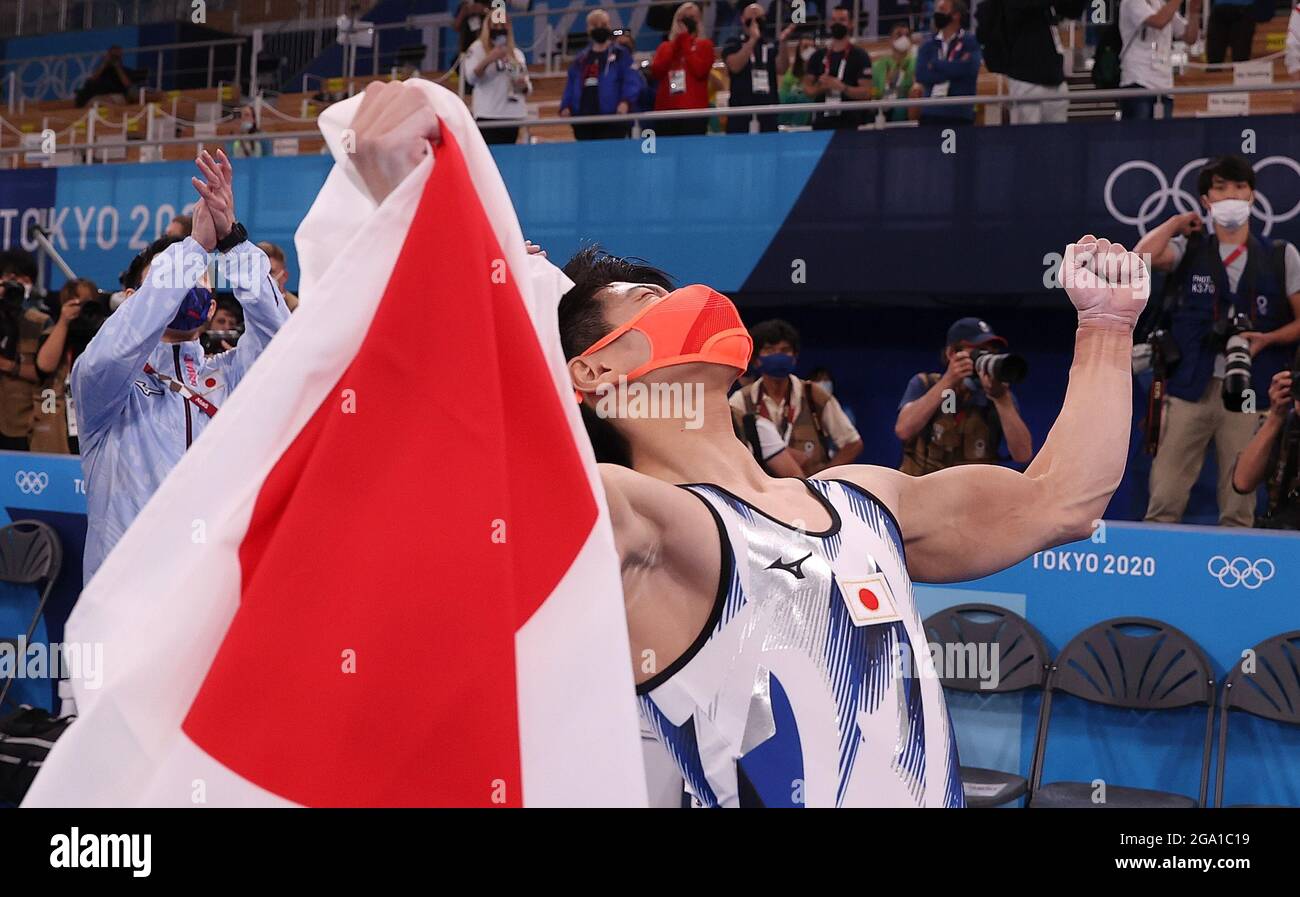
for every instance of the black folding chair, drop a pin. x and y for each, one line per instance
(1023, 663)
(1160, 669)
(1270, 691)
(30, 552)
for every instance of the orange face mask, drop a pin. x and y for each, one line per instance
(694, 323)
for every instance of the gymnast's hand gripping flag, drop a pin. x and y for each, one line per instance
(370, 583)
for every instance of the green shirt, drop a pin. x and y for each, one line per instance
(893, 81)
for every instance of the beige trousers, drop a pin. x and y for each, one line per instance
(1188, 428)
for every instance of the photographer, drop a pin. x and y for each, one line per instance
(79, 313)
(809, 419)
(1273, 455)
(1231, 312)
(21, 323)
(962, 415)
(144, 387)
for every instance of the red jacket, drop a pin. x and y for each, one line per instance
(695, 55)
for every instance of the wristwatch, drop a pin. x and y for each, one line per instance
(236, 236)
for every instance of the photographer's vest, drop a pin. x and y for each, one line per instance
(969, 435)
(801, 430)
(19, 387)
(1197, 296)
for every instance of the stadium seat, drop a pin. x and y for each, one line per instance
(1023, 664)
(1135, 663)
(1270, 691)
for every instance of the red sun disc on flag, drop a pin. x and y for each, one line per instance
(868, 599)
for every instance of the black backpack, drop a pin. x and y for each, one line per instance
(26, 737)
(991, 32)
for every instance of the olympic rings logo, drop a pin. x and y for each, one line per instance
(1152, 209)
(31, 482)
(1240, 571)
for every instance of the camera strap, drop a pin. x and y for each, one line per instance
(1155, 408)
(183, 391)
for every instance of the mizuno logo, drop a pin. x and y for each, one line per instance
(148, 388)
(794, 568)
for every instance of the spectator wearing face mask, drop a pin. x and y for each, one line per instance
(755, 61)
(810, 420)
(839, 72)
(247, 147)
(600, 82)
(948, 65)
(892, 76)
(681, 66)
(498, 71)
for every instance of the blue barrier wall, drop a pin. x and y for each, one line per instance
(1166, 573)
(47, 488)
(859, 214)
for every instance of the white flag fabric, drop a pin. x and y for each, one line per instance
(385, 574)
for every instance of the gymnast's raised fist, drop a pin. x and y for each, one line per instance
(1107, 284)
(393, 128)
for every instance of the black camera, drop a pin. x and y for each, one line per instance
(1001, 366)
(1159, 351)
(12, 294)
(1227, 334)
(211, 340)
(94, 312)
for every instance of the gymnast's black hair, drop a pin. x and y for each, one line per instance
(582, 323)
(133, 276)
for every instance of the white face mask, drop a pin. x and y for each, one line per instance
(806, 53)
(826, 385)
(1230, 213)
(902, 44)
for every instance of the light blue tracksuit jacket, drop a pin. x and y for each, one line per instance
(132, 428)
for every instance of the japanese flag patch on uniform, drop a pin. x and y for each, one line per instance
(870, 600)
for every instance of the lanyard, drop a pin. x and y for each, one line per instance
(184, 391)
(789, 406)
(954, 46)
(1233, 294)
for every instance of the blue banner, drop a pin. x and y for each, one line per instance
(798, 217)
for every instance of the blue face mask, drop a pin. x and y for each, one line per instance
(193, 311)
(778, 364)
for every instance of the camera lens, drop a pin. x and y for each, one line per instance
(1003, 367)
(1236, 373)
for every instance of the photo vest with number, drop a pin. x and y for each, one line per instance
(1202, 297)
